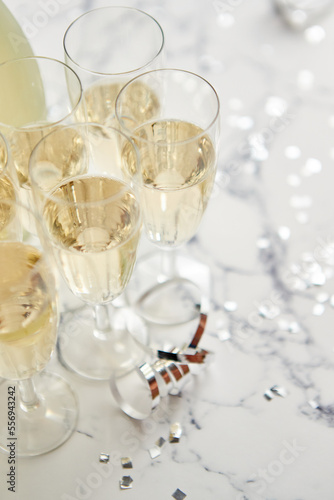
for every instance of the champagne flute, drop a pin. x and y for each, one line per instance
(8, 188)
(178, 156)
(42, 413)
(107, 47)
(37, 94)
(93, 222)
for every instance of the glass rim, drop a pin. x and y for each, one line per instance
(127, 187)
(78, 126)
(63, 205)
(109, 7)
(131, 133)
(48, 124)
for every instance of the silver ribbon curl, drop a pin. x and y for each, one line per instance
(167, 374)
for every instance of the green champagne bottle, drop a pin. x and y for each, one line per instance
(22, 100)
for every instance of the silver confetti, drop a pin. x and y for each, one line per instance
(315, 34)
(263, 243)
(322, 297)
(245, 122)
(318, 309)
(305, 79)
(275, 106)
(309, 273)
(179, 495)
(311, 167)
(294, 327)
(292, 152)
(284, 232)
(104, 458)
(268, 311)
(126, 463)
(154, 452)
(175, 432)
(126, 483)
(331, 300)
(313, 404)
(289, 326)
(224, 335)
(230, 306)
(280, 391)
(318, 279)
(298, 284)
(269, 395)
(275, 390)
(160, 442)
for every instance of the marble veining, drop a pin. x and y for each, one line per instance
(267, 238)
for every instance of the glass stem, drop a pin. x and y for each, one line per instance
(29, 399)
(168, 264)
(103, 328)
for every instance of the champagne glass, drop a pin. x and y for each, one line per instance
(107, 47)
(8, 189)
(41, 413)
(178, 155)
(93, 222)
(37, 94)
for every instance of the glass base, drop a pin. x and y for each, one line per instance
(97, 354)
(166, 300)
(44, 427)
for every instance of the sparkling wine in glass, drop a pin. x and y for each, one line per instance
(107, 47)
(43, 411)
(93, 223)
(178, 155)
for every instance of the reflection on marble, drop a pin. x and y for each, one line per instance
(268, 238)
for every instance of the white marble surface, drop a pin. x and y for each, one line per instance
(268, 238)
